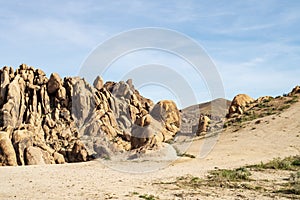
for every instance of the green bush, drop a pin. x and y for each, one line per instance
(289, 163)
(239, 174)
(296, 161)
(293, 187)
(284, 107)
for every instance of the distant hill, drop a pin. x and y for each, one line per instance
(190, 115)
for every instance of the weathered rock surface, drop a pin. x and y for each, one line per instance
(54, 83)
(55, 120)
(296, 90)
(98, 83)
(203, 125)
(34, 156)
(7, 153)
(239, 103)
(263, 99)
(167, 113)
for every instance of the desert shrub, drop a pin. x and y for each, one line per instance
(261, 105)
(279, 164)
(284, 107)
(267, 100)
(295, 183)
(296, 161)
(189, 181)
(227, 124)
(239, 174)
(293, 186)
(291, 101)
(289, 163)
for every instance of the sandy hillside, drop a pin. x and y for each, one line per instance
(274, 136)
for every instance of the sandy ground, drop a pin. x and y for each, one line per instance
(274, 136)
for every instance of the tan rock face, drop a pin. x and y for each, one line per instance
(59, 158)
(238, 104)
(98, 83)
(296, 90)
(22, 139)
(14, 105)
(142, 136)
(54, 83)
(203, 125)
(4, 80)
(7, 152)
(167, 113)
(34, 156)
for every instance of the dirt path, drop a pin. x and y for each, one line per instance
(273, 136)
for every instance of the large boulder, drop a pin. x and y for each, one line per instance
(54, 83)
(203, 125)
(22, 139)
(98, 83)
(239, 103)
(14, 107)
(58, 158)
(167, 113)
(78, 153)
(34, 156)
(7, 152)
(149, 136)
(142, 136)
(4, 82)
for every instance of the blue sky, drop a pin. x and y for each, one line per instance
(254, 44)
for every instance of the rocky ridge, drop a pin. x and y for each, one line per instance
(198, 120)
(244, 108)
(54, 120)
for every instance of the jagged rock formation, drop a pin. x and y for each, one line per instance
(55, 120)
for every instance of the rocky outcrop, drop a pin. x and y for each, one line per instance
(203, 125)
(58, 120)
(239, 103)
(296, 90)
(263, 99)
(215, 110)
(167, 114)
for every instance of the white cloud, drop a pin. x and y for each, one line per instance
(253, 62)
